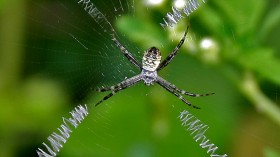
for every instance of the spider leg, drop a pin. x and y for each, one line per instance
(127, 54)
(128, 81)
(191, 94)
(104, 89)
(172, 86)
(169, 58)
(166, 85)
(109, 95)
(120, 86)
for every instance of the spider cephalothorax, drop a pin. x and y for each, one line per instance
(151, 64)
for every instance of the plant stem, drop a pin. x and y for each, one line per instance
(250, 88)
(11, 36)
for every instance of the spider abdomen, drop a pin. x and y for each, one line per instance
(151, 59)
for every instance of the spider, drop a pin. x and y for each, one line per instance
(151, 64)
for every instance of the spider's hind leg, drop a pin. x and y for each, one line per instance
(169, 58)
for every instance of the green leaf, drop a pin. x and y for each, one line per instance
(245, 15)
(269, 152)
(141, 31)
(263, 62)
(211, 18)
(270, 22)
(2, 2)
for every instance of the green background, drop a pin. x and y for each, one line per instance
(242, 67)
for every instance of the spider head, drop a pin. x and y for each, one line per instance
(151, 59)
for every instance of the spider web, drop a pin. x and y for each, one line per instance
(66, 44)
(79, 50)
(81, 54)
(74, 47)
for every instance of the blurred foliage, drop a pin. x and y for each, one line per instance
(240, 29)
(271, 153)
(242, 67)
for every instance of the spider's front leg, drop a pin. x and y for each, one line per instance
(176, 91)
(109, 95)
(104, 89)
(174, 88)
(172, 91)
(120, 86)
